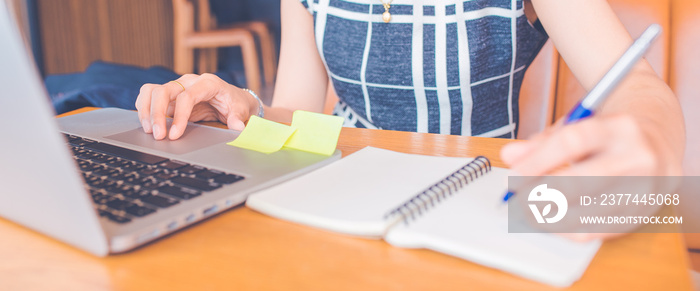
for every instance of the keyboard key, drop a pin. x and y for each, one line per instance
(195, 183)
(101, 199)
(136, 194)
(122, 188)
(92, 180)
(208, 174)
(191, 169)
(126, 153)
(227, 178)
(84, 166)
(77, 150)
(145, 179)
(159, 201)
(133, 166)
(179, 192)
(173, 165)
(130, 178)
(119, 204)
(114, 217)
(150, 185)
(117, 175)
(105, 171)
(139, 211)
(100, 158)
(108, 185)
(87, 155)
(165, 176)
(78, 141)
(150, 171)
(94, 167)
(117, 162)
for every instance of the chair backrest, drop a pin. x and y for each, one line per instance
(183, 24)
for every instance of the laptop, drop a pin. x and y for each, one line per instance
(96, 181)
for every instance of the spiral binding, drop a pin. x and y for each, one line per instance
(427, 199)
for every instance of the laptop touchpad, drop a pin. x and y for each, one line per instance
(196, 137)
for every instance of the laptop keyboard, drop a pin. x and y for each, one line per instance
(127, 184)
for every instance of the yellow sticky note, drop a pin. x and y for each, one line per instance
(263, 135)
(316, 133)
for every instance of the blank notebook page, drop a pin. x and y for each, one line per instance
(473, 224)
(353, 195)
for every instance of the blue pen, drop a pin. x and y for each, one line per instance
(610, 80)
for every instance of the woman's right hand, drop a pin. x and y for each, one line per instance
(193, 98)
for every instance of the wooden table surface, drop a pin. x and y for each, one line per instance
(242, 249)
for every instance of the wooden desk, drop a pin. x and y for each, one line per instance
(242, 249)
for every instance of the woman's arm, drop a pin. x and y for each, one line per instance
(639, 130)
(301, 84)
(301, 78)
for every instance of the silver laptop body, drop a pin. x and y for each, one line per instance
(42, 188)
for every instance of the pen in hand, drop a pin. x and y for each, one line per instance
(610, 80)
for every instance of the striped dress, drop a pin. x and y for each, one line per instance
(439, 66)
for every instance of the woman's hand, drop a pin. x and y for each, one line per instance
(208, 98)
(605, 145)
(193, 98)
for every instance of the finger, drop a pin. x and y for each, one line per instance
(235, 122)
(200, 90)
(514, 152)
(143, 106)
(183, 108)
(631, 162)
(565, 145)
(160, 99)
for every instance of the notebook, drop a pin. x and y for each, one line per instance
(446, 204)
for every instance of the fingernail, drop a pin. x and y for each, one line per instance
(173, 131)
(146, 126)
(238, 125)
(156, 131)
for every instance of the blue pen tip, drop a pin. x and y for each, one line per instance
(578, 113)
(507, 196)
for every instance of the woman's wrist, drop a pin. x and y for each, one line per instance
(260, 109)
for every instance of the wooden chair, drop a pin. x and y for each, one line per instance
(195, 29)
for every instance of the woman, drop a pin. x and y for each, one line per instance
(451, 67)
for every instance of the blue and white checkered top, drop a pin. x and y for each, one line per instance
(439, 66)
